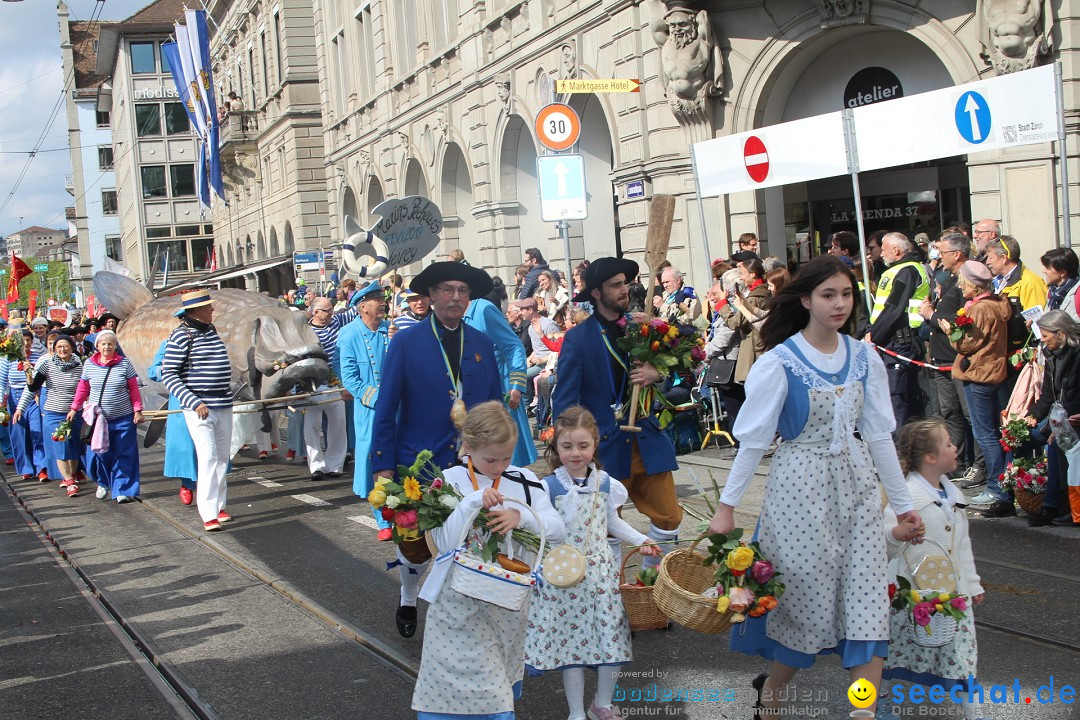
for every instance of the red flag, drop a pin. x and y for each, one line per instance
(4, 310)
(91, 306)
(32, 305)
(19, 270)
(213, 260)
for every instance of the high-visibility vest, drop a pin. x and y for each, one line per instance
(921, 293)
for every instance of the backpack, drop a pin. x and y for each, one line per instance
(1018, 331)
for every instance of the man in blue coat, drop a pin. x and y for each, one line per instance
(596, 374)
(434, 371)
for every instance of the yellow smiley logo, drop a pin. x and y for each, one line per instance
(862, 693)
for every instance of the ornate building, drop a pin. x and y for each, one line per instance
(438, 98)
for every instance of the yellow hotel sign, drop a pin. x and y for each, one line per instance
(597, 85)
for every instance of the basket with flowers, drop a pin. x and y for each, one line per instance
(11, 347)
(1014, 433)
(961, 326)
(934, 615)
(5, 418)
(62, 431)
(668, 348)
(1026, 477)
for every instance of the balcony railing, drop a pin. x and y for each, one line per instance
(239, 128)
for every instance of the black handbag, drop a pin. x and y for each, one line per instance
(721, 371)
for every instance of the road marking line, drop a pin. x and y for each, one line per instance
(312, 500)
(365, 520)
(267, 483)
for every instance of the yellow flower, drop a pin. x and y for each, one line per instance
(740, 558)
(377, 498)
(943, 597)
(961, 312)
(722, 603)
(412, 489)
(915, 596)
(672, 332)
(380, 484)
(938, 607)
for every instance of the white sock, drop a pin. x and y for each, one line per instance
(573, 682)
(410, 581)
(972, 709)
(606, 676)
(659, 536)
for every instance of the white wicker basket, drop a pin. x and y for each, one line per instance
(489, 581)
(933, 575)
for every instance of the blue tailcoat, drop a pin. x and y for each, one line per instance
(510, 354)
(413, 409)
(585, 379)
(362, 351)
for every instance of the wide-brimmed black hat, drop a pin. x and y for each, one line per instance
(479, 282)
(603, 269)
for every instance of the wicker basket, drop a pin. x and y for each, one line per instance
(639, 602)
(1029, 502)
(683, 577)
(931, 575)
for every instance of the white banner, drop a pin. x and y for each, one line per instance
(1015, 109)
(791, 152)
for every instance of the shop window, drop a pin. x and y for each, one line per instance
(182, 180)
(108, 202)
(153, 181)
(176, 119)
(148, 120)
(172, 254)
(142, 58)
(202, 253)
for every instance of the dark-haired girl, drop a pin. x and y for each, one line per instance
(828, 397)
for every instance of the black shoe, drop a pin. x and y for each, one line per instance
(999, 509)
(333, 474)
(1065, 520)
(974, 477)
(1044, 517)
(318, 475)
(406, 621)
(758, 684)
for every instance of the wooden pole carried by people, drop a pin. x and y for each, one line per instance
(661, 215)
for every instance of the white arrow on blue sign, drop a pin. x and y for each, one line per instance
(562, 187)
(973, 117)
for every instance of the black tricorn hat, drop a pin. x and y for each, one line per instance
(479, 282)
(603, 269)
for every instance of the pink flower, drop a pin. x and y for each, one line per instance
(741, 598)
(697, 354)
(621, 322)
(406, 519)
(921, 613)
(959, 603)
(762, 571)
(436, 484)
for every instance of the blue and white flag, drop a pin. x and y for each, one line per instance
(187, 69)
(172, 55)
(199, 39)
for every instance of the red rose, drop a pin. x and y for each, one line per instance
(738, 573)
(387, 513)
(892, 590)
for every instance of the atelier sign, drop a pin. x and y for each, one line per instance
(872, 85)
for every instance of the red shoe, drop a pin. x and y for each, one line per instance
(27, 477)
(9, 461)
(224, 516)
(386, 534)
(273, 446)
(43, 476)
(290, 456)
(66, 483)
(80, 475)
(185, 495)
(263, 454)
(72, 490)
(211, 526)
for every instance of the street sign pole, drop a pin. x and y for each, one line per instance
(1063, 154)
(853, 164)
(564, 233)
(701, 218)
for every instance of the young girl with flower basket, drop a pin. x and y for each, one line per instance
(473, 659)
(571, 628)
(927, 455)
(828, 397)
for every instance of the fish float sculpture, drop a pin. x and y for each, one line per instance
(271, 348)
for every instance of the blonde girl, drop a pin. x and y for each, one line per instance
(473, 658)
(927, 455)
(584, 625)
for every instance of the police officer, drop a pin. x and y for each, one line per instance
(895, 320)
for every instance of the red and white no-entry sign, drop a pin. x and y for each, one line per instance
(756, 158)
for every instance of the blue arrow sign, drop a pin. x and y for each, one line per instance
(562, 187)
(973, 117)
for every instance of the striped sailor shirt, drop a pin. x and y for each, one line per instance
(328, 335)
(196, 367)
(118, 390)
(59, 378)
(13, 373)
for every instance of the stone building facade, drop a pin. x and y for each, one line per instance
(272, 150)
(439, 98)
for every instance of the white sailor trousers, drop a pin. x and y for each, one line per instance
(212, 438)
(333, 458)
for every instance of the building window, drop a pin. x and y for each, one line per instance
(279, 57)
(187, 230)
(172, 254)
(182, 179)
(108, 202)
(153, 181)
(406, 42)
(103, 119)
(158, 232)
(165, 68)
(445, 22)
(142, 58)
(176, 119)
(265, 63)
(148, 120)
(281, 166)
(337, 72)
(365, 39)
(105, 157)
(114, 248)
(251, 77)
(240, 80)
(202, 253)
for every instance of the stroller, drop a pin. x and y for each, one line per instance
(711, 413)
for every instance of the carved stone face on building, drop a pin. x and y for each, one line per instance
(682, 28)
(502, 90)
(1013, 25)
(569, 62)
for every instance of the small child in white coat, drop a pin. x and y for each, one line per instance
(584, 625)
(927, 455)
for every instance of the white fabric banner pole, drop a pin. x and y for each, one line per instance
(853, 166)
(701, 218)
(1063, 154)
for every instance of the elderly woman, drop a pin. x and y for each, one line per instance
(27, 444)
(109, 383)
(1061, 383)
(980, 366)
(55, 377)
(550, 295)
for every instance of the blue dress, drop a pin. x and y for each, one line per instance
(27, 438)
(510, 354)
(180, 459)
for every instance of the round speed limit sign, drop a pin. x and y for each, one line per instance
(557, 127)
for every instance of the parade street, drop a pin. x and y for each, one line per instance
(289, 614)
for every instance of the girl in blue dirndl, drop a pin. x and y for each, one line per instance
(821, 521)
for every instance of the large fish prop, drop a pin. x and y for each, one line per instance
(260, 334)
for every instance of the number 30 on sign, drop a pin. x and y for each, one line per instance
(557, 127)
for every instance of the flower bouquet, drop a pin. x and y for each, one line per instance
(62, 431)
(11, 347)
(746, 582)
(1023, 356)
(667, 348)
(961, 326)
(934, 615)
(1014, 433)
